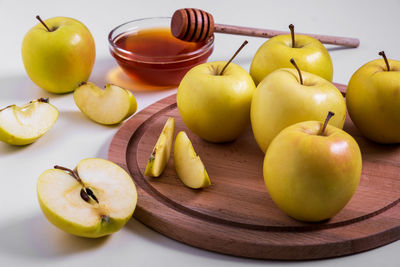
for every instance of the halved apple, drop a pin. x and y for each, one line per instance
(105, 106)
(162, 150)
(188, 165)
(94, 200)
(24, 125)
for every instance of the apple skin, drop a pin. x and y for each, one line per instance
(43, 114)
(216, 107)
(60, 60)
(107, 106)
(312, 177)
(188, 165)
(309, 54)
(162, 150)
(95, 231)
(280, 101)
(373, 101)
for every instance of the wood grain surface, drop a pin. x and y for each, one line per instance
(235, 215)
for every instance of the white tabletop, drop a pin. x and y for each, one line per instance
(28, 239)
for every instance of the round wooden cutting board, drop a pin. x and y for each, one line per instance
(235, 215)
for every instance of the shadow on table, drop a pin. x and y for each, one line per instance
(35, 237)
(157, 239)
(20, 89)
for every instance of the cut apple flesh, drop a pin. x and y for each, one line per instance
(162, 150)
(188, 165)
(23, 125)
(109, 106)
(61, 201)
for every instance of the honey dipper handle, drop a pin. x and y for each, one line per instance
(325, 39)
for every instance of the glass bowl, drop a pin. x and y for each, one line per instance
(146, 51)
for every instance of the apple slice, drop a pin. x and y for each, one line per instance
(94, 200)
(105, 106)
(162, 150)
(24, 125)
(188, 165)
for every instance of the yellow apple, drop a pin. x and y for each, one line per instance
(24, 125)
(60, 58)
(94, 200)
(280, 100)
(188, 165)
(216, 107)
(162, 150)
(311, 175)
(105, 106)
(275, 53)
(373, 100)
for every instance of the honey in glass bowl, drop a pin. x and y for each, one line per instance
(147, 51)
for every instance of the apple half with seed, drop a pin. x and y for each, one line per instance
(162, 150)
(95, 199)
(188, 165)
(110, 105)
(24, 125)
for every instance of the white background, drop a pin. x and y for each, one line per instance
(27, 239)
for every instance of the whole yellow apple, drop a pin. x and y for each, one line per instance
(58, 58)
(281, 100)
(311, 173)
(216, 106)
(373, 100)
(275, 53)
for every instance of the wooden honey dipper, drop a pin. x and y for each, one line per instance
(194, 25)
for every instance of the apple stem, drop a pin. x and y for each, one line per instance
(328, 117)
(291, 27)
(44, 24)
(382, 53)
(44, 100)
(85, 191)
(298, 70)
(234, 55)
(72, 172)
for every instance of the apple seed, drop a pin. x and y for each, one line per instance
(84, 195)
(91, 194)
